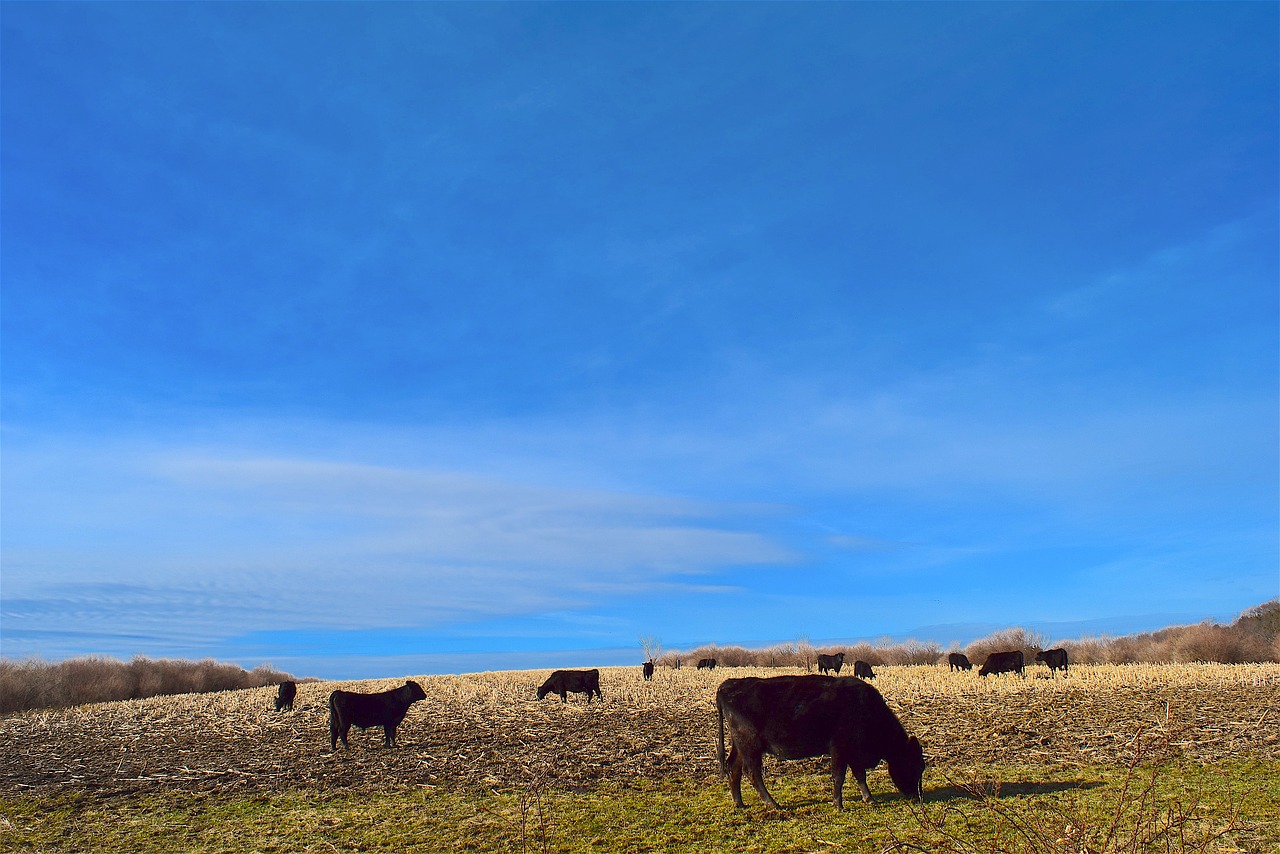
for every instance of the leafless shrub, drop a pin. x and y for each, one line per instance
(1087, 650)
(912, 652)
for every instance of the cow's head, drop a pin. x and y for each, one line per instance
(413, 691)
(907, 769)
(544, 689)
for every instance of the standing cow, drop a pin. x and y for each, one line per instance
(647, 670)
(385, 709)
(1055, 658)
(795, 717)
(578, 681)
(830, 662)
(863, 670)
(959, 661)
(1003, 662)
(706, 664)
(285, 695)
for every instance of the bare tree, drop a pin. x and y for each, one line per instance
(651, 647)
(806, 652)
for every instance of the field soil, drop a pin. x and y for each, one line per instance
(487, 731)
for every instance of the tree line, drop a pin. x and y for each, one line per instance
(1253, 637)
(36, 684)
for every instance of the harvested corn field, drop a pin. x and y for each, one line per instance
(486, 731)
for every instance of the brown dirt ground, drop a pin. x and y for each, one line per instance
(487, 730)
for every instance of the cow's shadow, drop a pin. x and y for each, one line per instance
(986, 789)
(992, 789)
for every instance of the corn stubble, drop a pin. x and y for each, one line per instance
(486, 732)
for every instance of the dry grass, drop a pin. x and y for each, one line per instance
(486, 730)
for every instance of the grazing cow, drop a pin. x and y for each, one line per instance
(706, 663)
(795, 717)
(578, 681)
(863, 670)
(648, 670)
(1055, 658)
(830, 662)
(1003, 662)
(959, 661)
(385, 709)
(285, 695)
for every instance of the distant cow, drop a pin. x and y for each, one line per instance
(795, 717)
(830, 662)
(1055, 658)
(648, 670)
(1003, 662)
(578, 681)
(959, 661)
(863, 670)
(706, 663)
(385, 709)
(285, 695)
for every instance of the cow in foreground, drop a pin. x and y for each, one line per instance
(863, 670)
(647, 670)
(1003, 662)
(385, 709)
(706, 664)
(1055, 658)
(830, 662)
(795, 717)
(578, 681)
(959, 661)
(284, 696)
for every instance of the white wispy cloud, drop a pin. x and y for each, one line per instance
(250, 543)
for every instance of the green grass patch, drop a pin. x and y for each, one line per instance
(1225, 807)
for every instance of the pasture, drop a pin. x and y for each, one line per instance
(1089, 762)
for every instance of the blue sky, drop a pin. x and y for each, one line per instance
(369, 339)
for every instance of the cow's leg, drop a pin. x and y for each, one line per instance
(389, 733)
(860, 774)
(755, 771)
(735, 776)
(564, 696)
(838, 765)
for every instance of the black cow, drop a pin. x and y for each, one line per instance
(959, 661)
(795, 717)
(385, 709)
(830, 662)
(1003, 662)
(648, 670)
(1055, 658)
(578, 681)
(706, 663)
(285, 695)
(863, 670)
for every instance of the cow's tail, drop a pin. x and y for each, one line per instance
(724, 763)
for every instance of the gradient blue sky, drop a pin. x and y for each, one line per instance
(396, 338)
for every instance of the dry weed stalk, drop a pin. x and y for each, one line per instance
(1141, 820)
